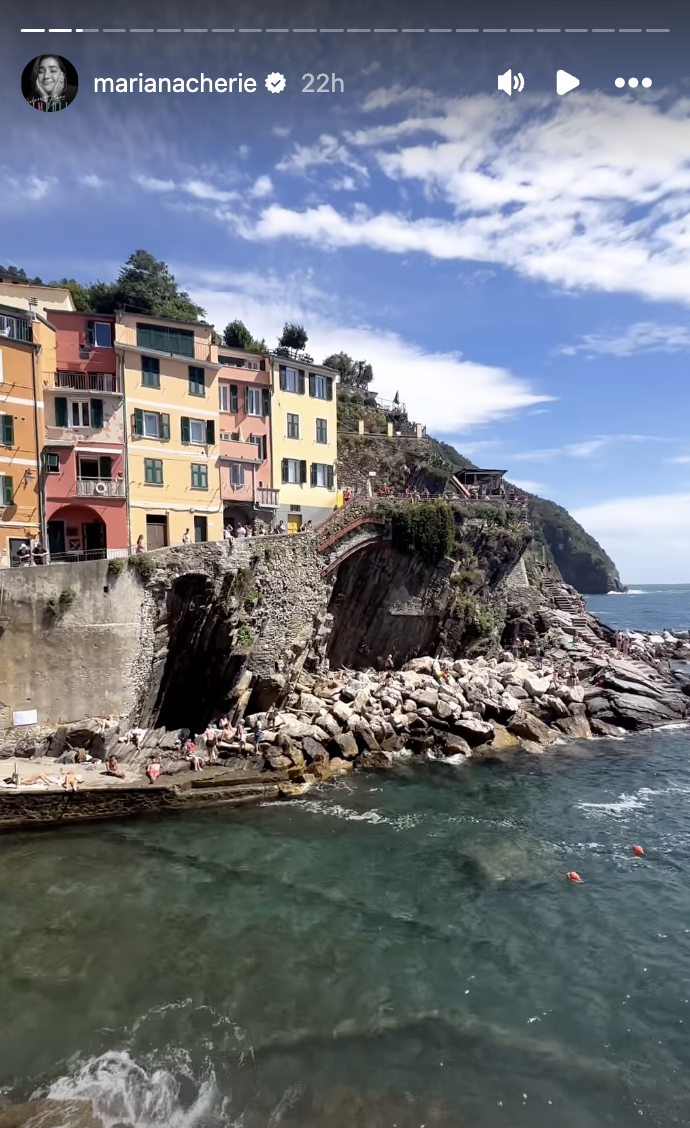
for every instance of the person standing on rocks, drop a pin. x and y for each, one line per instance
(526, 648)
(257, 733)
(516, 647)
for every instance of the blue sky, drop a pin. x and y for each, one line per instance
(517, 268)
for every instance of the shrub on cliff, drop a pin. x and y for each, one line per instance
(425, 528)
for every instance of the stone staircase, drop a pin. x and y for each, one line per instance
(564, 602)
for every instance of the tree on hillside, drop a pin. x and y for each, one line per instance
(145, 285)
(237, 336)
(80, 294)
(18, 274)
(353, 373)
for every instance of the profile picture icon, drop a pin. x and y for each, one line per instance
(49, 83)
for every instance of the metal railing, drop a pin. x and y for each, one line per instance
(100, 487)
(106, 382)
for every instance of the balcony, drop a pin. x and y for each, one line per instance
(100, 487)
(104, 382)
(265, 498)
(235, 450)
(179, 348)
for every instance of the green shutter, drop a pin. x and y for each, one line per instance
(60, 411)
(185, 429)
(7, 491)
(302, 471)
(284, 470)
(246, 399)
(97, 414)
(329, 387)
(138, 421)
(105, 467)
(90, 333)
(312, 384)
(300, 381)
(265, 401)
(210, 432)
(283, 377)
(165, 426)
(329, 477)
(233, 398)
(8, 430)
(313, 473)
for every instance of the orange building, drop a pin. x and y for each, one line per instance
(26, 343)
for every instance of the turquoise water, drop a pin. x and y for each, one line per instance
(646, 607)
(392, 952)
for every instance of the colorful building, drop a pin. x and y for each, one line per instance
(304, 431)
(244, 396)
(83, 473)
(25, 341)
(169, 374)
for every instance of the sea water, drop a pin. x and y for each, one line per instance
(645, 607)
(390, 951)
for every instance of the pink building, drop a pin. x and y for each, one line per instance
(84, 454)
(245, 437)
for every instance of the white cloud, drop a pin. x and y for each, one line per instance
(92, 181)
(554, 190)
(528, 484)
(648, 537)
(263, 186)
(443, 390)
(37, 187)
(681, 460)
(153, 184)
(642, 337)
(328, 150)
(586, 449)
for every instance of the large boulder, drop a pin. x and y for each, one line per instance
(313, 749)
(365, 736)
(425, 698)
(503, 740)
(308, 703)
(454, 745)
(638, 712)
(346, 744)
(473, 730)
(443, 710)
(339, 766)
(393, 744)
(577, 728)
(556, 706)
(289, 725)
(278, 761)
(341, 712)
(603, 728)
(528, 727)
(328, 724)
(374, 761)
(420, 665)
(536, 686)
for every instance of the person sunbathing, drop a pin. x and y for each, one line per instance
(112, 768)
(153, 768)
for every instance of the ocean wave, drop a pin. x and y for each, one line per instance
(121, 1092)
(336, 811)
(619, 806)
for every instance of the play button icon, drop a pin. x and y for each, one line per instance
(565, 82)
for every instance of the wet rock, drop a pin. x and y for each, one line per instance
(473, 730)
(532, 747)
(577, 728)
(340, 766)
(528, 727)
(602, 728)
(393, 744)
(347, 745)
(374, 761)
(454, 745)
(503, 740)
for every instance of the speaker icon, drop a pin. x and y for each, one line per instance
(509, 82)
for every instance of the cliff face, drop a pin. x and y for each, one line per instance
(580, 559)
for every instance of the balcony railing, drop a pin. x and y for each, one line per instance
(236, 450)
(100, 487)
(265, 498)
(106, 382)
(181, 350)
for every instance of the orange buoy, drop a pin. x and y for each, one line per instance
(573, 876)
(638, 851)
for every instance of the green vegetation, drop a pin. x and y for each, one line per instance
(237, 336)
(67, 597)
(353, 373)
(293, 337)
(427, 529)
(116, 566)
(580, 559)
(244, 637)
(244, 587)
(146, 565)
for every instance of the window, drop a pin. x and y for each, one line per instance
(320, 387)
(292, 426)
(161, 338)
(150, 372)
(7, 490)
(200, 529)
(294, 471)
(228, 397)
(197, 382)
(96, 467)
(262, 446)
(241, 362)
(322, 475)
(291, 379)
(322, 430)
(7, 430)
(99, 334)
(153, 471)
(79, 415)
(51, 462)
(236, 474)
(151, 424)
(199, 476)
(201, 432)
(252, 401)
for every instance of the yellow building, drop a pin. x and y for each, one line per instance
(304, 433)
(169, 374)
(35, 298)
(27, 344)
